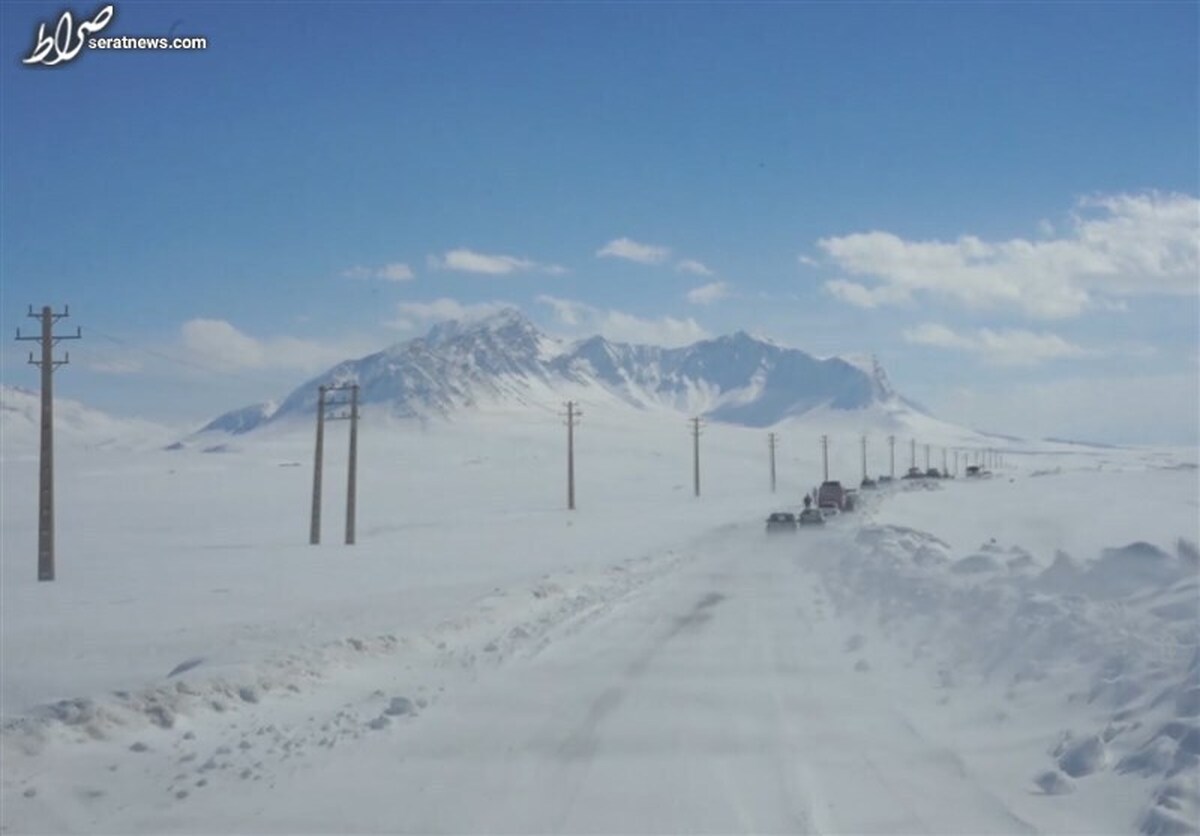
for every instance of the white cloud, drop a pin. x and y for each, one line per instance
(807, 261)
(696, 268)
(469, 261)
(581, 319)
(866, 297)
(706, 294)
(219, 346)
(1122, 245)
(218, 343)
(1148, 409)
(664, 331)
(569, 313)
(937, 335)
(633, 251)
(394, 272)
(414, 314)
(1006, 348)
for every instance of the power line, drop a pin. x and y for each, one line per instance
(178, 361)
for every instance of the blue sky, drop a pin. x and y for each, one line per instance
(998, 199)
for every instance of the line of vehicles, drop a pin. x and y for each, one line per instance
(829, 500)
(832, 498)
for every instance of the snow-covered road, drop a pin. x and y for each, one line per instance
(721, 699)
(725, 695)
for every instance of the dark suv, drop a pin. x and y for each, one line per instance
(781, 521)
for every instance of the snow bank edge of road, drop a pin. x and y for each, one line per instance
(1120, 632)
(505, 620)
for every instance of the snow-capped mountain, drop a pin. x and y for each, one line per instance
(244, 419)
(737, 379)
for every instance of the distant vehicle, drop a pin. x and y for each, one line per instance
(913, 473)
(811, 516)
(850, 500)
(885, 480)
(869, 483)
(973, 470)
(832, 493)
(781, 521)
(829, 510)
(933, 473)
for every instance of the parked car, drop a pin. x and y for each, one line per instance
(781, 521)
(811, 516)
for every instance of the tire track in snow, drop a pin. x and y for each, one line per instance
(582, 743)
(787, 769)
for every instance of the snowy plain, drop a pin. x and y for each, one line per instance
(1017, 654)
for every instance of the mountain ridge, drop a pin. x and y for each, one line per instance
(460, 365)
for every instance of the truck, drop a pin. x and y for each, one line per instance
(832, 494)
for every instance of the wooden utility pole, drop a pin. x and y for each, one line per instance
(912, 453)
(314, 526)
(892, 454)
(825, 458)
(323, 405)
(771, 447)
(48, 364)
(352, 469)
(864, 457)
(926, 457)
(945, 468)
(573, 416)
(695, 422)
